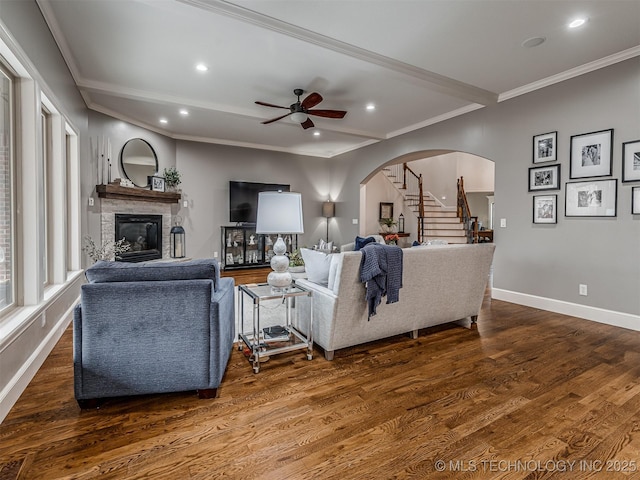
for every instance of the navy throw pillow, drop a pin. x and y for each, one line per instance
(361, 242)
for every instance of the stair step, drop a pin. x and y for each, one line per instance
(443, 220)
(448, 239)
(444, 232)
(441, 228)
(436, 213)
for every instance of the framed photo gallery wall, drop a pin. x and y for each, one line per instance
(590, 157)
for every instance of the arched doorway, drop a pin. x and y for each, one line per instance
(440, 170)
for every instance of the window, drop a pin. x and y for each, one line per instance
(7, 224)
(45, 267)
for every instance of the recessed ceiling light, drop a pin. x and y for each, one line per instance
(164, 120)
(316, 133)
(184, 112)
(533, 42)
(578, 22)
(371, 107)
(201, 67)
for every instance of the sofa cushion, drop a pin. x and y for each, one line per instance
(104, 271)
(317, 265)
(361, 242)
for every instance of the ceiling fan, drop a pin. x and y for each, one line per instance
(299, 111)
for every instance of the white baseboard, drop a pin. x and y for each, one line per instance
(609, 317)
(12, 391)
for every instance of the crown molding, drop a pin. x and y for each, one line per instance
(572, 73)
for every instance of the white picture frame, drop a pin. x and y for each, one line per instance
(591, 154)
(545, 147)
(631, 161)
(591, 198)
(545, 209)
(544, 178)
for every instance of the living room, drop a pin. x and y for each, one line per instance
(539, 266)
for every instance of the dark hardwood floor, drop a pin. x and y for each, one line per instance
(529, 394)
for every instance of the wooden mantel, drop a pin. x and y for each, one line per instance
(116, 192)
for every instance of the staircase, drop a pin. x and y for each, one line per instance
(435, 221)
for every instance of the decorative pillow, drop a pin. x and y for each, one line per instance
(103, 271)
(316, 265)
(361, 242)
(324, 246)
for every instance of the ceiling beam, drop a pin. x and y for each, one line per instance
(436, 82)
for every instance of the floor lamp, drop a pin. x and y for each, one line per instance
(328, 211)
(279, 213)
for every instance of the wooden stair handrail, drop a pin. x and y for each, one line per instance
(417, 178)
(464, 214)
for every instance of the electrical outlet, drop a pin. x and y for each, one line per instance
(354, 221)
(185, 203)
(91, 201)
(215, 254)
(583, 290)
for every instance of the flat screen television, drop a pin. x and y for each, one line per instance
(243, 199)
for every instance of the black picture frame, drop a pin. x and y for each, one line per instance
(544, 178)
(635, 201)
(591, 154)
(386, 210)
(545, 147)
(545, 209)
(591, 198)
(631, 161)
(157, 183)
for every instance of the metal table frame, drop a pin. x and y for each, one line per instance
(254, 339)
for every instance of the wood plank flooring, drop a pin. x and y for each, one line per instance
(528, 395)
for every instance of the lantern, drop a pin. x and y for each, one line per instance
(177, 240)
(401, 224)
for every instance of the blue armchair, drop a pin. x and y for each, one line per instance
(152, 328)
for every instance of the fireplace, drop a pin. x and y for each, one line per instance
(143, 233)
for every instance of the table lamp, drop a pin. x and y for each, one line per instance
(279, 213)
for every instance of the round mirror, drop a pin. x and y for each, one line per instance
(138, 161)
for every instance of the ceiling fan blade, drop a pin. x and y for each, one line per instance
(312, 100)
(328, 113)
(307, 124)
(276, 119)
(271, 105)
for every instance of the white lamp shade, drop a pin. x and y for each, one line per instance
(279, 212)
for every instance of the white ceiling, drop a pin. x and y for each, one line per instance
(418, 61)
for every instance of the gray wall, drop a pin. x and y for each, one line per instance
(543, 260)
(119, 133)
(206, 171)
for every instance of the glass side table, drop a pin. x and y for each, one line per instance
(273, 340)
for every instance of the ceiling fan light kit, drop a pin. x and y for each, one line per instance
(300, 111)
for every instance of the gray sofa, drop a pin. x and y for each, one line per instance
(441, 284)
(152, 328)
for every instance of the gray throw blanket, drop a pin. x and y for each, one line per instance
(381, 271)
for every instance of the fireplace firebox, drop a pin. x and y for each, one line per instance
(143, 233)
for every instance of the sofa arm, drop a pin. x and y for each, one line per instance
(325, 304)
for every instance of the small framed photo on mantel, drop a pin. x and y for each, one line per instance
(157, 184)
(544, 147)
(591, 154)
